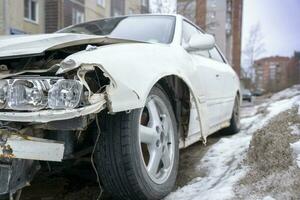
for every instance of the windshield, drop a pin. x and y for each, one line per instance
(156, 29)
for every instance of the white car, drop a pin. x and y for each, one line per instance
(128, 91)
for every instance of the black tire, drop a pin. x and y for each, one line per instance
(119, 161)
(235, 125)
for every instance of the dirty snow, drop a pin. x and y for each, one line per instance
(295, 129)
(268, 198)
(272, 170)
(223, 163)
(296, 148)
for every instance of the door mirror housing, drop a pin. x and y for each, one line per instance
(201, 42)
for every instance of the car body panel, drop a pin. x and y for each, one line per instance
(37, 44)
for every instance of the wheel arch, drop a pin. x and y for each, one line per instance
(179, 94)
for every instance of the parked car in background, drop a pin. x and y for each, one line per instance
(258, 92)
(127, 92)
(247, 95)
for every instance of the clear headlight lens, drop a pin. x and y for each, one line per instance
(26, 95)
(65, 94)
(3, 93)
(37, 93)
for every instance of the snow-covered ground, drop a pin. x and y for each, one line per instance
(223, 163)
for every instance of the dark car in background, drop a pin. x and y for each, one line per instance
(247, 95)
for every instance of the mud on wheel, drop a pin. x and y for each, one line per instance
(137, 155)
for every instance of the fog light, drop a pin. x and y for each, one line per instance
(26, 95)
(65, 94)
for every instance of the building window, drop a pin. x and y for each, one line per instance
(144, 3)
(272, 72)
(101, 3)
(31, 10)
(77, 16)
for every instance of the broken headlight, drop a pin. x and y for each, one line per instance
(65, 94)
(27, 95)
(37, 93)
(3, 93)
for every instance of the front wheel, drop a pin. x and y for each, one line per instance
(137, 155)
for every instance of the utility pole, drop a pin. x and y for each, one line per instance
(201, 13)
(6, 17)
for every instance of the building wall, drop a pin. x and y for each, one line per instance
(69, 7)
(17, 21)
(293, 69)
(216, 22)
(53, 17)
(117, 7)
(2, 24)
(59, 13)
(94, 11)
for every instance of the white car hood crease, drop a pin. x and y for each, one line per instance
(22, 45)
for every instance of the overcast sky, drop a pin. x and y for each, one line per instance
(279, 21)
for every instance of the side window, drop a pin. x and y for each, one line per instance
(215, 55)
(188, 30)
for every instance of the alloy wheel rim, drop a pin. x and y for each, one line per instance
(156, 139)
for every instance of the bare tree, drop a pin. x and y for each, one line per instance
(253, 49)
(187, 8)
(163, 6)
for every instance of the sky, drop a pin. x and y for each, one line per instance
(280, 24)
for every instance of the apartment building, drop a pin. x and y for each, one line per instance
(293, 69)
(271, 73)
(63, 13)
(97, 9)
(22, 16)
(223, 19)
(47, 16)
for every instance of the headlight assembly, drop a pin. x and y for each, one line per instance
(27, 95)
(65, 94)
(37, 93)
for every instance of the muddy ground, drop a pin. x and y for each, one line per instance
(78, 183)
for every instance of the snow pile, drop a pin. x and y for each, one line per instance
(223, 163)
(287, 93)
(296, 148)
(271, 162)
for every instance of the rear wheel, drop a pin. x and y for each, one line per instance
(138, 153)
(235, 124)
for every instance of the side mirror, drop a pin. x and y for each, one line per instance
(201, 42)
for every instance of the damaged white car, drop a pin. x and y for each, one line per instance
(128, 91)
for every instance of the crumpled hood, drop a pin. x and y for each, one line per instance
(36, 44)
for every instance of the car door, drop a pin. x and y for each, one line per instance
(227, 77)
(205, 76)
